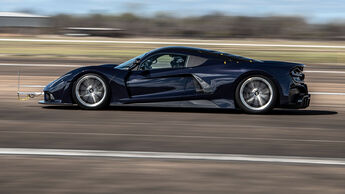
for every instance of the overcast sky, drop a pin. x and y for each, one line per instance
(314, 10)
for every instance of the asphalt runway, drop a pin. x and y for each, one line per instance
(317, 132)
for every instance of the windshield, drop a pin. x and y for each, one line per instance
(128, 63)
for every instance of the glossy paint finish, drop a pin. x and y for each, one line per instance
(210, 84)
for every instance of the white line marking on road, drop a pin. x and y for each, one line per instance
(170, 43)
(327, 93)
(38, 65)
(172, 155)
(335, 72)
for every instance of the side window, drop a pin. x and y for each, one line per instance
(194, 61)
(173, 61)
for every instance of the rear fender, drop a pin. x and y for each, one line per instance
(251, 73)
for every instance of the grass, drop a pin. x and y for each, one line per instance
(122, 52)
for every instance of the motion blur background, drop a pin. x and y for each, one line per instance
(306, 19)
(43, 39)
(255, 22)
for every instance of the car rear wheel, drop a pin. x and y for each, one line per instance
(256, 94)
(90, 91)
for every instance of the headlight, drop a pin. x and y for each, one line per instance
(297, 74)
(48, 96)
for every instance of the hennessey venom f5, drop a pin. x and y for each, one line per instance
(184, 77)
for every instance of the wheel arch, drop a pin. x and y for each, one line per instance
(262, 73)
(89, 71)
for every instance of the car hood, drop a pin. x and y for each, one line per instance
(70, 75)
(109, 65)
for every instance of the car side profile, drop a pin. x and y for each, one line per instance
(184, 77)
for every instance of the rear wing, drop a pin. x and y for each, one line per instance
(27, 95)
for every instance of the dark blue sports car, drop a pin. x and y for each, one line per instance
(184, 77)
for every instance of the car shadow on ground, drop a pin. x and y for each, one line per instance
(200, 110)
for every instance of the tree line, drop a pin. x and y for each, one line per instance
(208, 26)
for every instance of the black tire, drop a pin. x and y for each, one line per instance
(256, 94)
(91, 91)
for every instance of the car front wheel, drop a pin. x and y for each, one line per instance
(91, 91)
(256, 94)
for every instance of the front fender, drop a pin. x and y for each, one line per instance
(61, 88)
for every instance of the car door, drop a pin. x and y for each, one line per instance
(161, 77)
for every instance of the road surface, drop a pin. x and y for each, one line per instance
(317, 132)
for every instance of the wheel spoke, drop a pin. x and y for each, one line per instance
(260, 100)
(250, 100)
(93, 98)
(99, 94)
(87, 82)
(88, 99)
(251, 84)
(84, 84)
(264, 96)
(265, 91)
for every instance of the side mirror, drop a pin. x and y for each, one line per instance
(135, 64)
